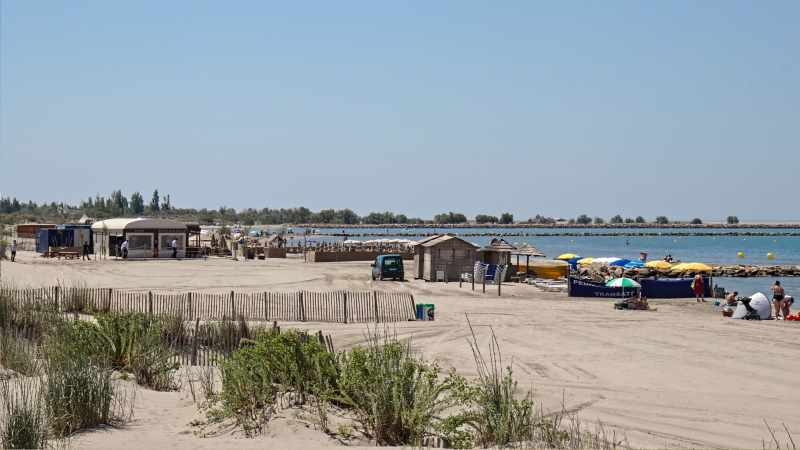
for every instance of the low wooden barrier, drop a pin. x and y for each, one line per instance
(317, 256)
(298, 306)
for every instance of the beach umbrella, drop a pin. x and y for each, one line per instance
(620, 262)
(692, 267)
(623, 282)
(659, 264)
(634, 265)
(567, 256)
(585, 261)
(606, 260)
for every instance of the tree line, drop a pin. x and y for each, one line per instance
(119, 205)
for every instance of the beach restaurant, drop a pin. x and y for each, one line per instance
(147, 238)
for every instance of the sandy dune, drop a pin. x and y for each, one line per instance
(681, 376)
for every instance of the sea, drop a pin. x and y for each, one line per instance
(708, 249)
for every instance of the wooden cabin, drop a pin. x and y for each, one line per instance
(443, 257)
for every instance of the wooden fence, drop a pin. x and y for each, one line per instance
(299, 306)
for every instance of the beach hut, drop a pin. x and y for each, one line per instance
(147, 238)
(527, 251)
(497, 252)
(443, 256)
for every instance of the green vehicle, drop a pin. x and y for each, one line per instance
(388, 266)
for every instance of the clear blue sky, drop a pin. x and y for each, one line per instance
(683, 108)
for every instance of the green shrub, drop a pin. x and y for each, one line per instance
(133, 342)
(79, 395)
(273, 363)
(17, 354)
(396, 396)
(23, 416)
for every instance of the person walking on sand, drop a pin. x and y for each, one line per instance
(124, 249)
(85, 252)
(13, 250)
(777, 298)
(174, 245)
(699, 288)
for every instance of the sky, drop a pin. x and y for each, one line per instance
(680, 108)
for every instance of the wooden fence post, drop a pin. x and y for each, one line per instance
(345, 306)
(473, 280)
(266, 306)
(413, 306)
(375, 302)
(233, 306)
(499, 283)
(56, 297)
(108, 304)
(150, 302)
(191, 311)
(302, 306)
(194, 339)
(484, 283)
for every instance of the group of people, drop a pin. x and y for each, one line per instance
(781, 303)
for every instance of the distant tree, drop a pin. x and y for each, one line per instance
(696, 221)
(571, 221)
(733, 220)
(662, 220)
(639, 219)
(628, 220)
(154, 202)
(450, 217)
(484, 218)
(583, 219)
(599, 221)
(137, 203)
(118, 202)
(616, 219)
(347, 216)
(506, 218)
(166, 205)
(325, 216)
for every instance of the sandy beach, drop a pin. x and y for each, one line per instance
(681, 376)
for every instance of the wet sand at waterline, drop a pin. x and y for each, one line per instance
(681, 376)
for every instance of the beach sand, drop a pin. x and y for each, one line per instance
(681, 376)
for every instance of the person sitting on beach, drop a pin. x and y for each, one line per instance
(731, 299)
(777, 298)
(787, 305)
(124, 249)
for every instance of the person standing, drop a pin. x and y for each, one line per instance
(174, 245)
(85, 252)
(13, 250)
(699, 288)
(124, 249)
(778, 294)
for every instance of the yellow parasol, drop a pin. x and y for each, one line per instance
(566, 256)
(660, 264)
(585, 261)
(692, 267)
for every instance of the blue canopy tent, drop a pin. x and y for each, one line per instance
(620, 262)
(634, 265)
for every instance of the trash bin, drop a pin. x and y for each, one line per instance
(425, 311)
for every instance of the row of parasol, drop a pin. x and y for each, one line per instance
(576, 260)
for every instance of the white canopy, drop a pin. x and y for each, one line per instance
(139, 223)
(759, 302)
